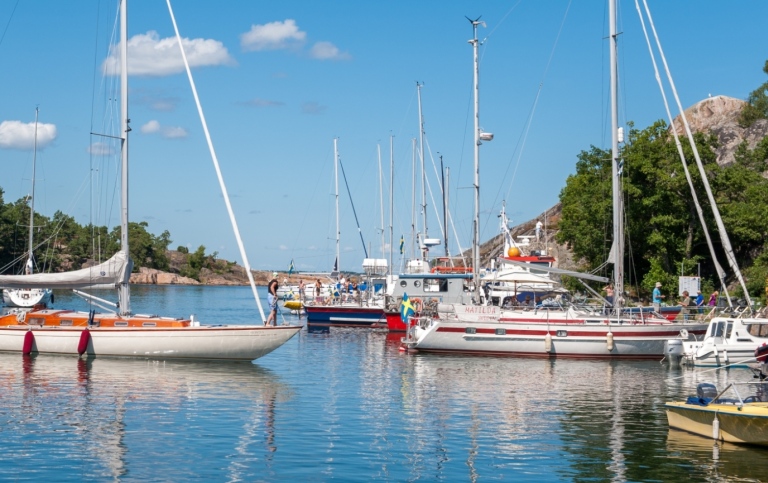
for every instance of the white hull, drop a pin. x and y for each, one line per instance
(538, 337)
(26, 297)
(729, 341)
(231, 343)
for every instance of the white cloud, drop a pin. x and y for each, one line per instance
(257, 102)
(19, 135)
(273, 36)
(101, 149)
(170, 132)
(327, 51)
(150, 55)
(283, 247)
(150, 127)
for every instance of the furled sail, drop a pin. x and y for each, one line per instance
(109, 274)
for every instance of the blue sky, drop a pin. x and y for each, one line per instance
(279, 81)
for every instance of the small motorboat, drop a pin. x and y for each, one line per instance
(730, 419)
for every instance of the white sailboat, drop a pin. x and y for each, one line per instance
(121, 333)
(561, 331)
(32, 296)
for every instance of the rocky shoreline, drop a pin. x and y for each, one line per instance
(235, 277)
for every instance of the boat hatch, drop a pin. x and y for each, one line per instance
(501, 331)
(149, 324)
(121, 324)
(67, 322)
(470, 330)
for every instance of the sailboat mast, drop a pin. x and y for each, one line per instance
(124, 289)
(618, 220)
(421, 155)
(30, 260)
(338, 230)
(476, 223)
(391, 196)
(381, 199)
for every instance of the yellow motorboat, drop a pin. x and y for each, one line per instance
(733, 420)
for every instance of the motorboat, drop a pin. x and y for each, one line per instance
(721, 416)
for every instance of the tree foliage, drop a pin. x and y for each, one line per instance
(757, 104)
(663, 232)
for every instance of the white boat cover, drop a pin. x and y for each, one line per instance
(109, 274)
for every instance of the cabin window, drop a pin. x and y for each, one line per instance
(718, 329)
(435, 285)
(729, 329)
(470, 330)
(501, 331)
(562, 333)
(758, 330)
(36, 321)
(149, 324)
(65, 322)
(121, 324)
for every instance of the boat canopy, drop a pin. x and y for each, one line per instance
(559, 271)
(109, 274)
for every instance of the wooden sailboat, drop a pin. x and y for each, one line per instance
(124, 334)
(29, 297)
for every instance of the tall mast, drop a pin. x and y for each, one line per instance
(124, 295)
(445, 207)
(476, 223)
(413, 198)
(381, 197)
(618, 220)
(338, 230)
(31, 259)
(391, 196)
(423, 172)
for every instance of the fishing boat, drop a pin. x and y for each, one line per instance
(30, 296)
(124, 334)
(558, 330)
(731, 419)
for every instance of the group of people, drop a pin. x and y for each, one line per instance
(686, 302)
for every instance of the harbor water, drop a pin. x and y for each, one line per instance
(348, 406)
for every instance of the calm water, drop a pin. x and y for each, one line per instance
(348, 406)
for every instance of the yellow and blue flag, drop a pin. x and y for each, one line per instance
(406, 308)
(402, 244)
(290, 267)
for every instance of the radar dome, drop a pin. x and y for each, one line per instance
(513, 252)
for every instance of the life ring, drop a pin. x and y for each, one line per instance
(418, 305)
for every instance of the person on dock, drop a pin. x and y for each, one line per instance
(657, 297)
(699, 299)
(685, 303)
(713, 298)
(272, 299)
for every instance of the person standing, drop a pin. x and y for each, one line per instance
(685, 302)
(713, 299)
(272, 299)
(318, 287)
(302, 289)
(657, 297)
(699, 299)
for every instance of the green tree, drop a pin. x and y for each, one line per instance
(757, 104)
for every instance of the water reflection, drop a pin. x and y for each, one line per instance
(102, 418)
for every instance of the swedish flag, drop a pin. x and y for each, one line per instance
(402, 244)
(406, 308)
(290, 267)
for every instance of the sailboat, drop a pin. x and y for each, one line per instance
(344, 308)
(121, 333)
(32, 296)
(567, 331)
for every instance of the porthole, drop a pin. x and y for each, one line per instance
(403, 283)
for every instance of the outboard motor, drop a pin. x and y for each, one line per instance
(674, 351)
(706, 390)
